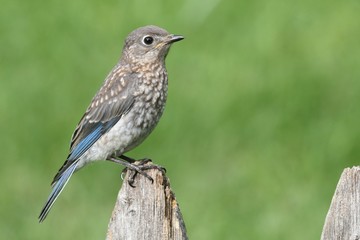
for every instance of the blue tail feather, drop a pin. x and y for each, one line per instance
(56, 190)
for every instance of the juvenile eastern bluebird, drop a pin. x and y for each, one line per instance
(124, 111)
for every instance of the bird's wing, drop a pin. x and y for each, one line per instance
(112, 101)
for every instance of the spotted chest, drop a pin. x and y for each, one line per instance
(151, 95)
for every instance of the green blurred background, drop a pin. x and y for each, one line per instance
(262, 115)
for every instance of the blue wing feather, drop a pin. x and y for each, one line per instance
(98, 130)
(88, 141)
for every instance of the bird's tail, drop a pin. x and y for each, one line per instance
(58, 186)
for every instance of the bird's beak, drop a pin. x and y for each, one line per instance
(175, 38)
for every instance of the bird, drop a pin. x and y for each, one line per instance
(124, 111)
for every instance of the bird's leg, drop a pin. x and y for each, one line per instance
(140, 164)
(128, 159)
(131, 166)
(132, 160)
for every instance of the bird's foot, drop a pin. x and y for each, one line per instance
(136, 166)
(142, 165)
(131, 166)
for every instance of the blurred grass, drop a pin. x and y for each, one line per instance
(261, 119)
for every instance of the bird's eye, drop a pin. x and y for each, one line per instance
(148, 40)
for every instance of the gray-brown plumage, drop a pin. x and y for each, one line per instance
(124, 111)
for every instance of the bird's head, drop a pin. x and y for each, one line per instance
(148, 44)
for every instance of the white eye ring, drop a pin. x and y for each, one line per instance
(148, 40)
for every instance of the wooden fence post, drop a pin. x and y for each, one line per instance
(147, 211)
(343, 218)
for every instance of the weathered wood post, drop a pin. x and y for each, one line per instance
(147, 211)
(343, 218)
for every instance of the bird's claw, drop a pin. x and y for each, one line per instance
(136, 170)
(137, 166)
(140, 167)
